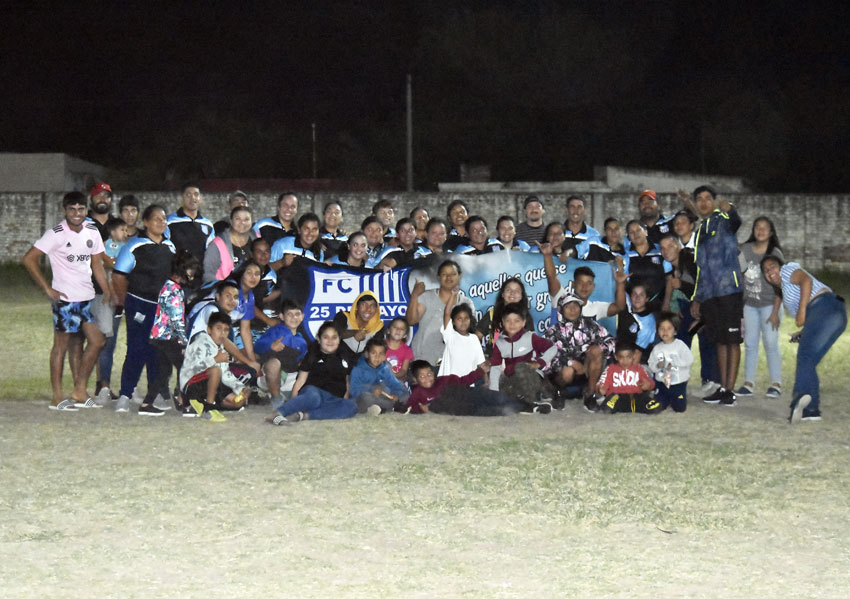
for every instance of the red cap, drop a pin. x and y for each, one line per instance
(100, 187)
(649, 193)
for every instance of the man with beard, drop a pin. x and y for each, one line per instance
(657, 225)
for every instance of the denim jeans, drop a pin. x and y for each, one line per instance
(755, 326)
(318, 404)
(106, 354)
(140, 353)
(826, 319)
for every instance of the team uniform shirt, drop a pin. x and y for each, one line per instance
(70, 255)
(267, 284)
(598, 250)
(333, 242)
(791, 291)
(637, 328)
(453, 240)
(573, 240)
(328, 371)
(492, 245)
(146, 264)
(191, 234)
(662, 227)
(651, 269)
(520, 245)
(390, 236)
(291, 246)
(271, 229)
(169, 319)
(617, 379)
(670, 363)
(401, 256)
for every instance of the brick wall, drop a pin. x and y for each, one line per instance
(813, 229)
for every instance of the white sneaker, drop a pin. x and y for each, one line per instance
(708, 388)
(160, 403)
(104, 396)
(137, 398)
(262, 383)
(122, 406)
(374, 410)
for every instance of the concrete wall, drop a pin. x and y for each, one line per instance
(620, 178)
(47, 172)
(812, 228)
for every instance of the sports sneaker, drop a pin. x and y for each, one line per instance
(590, 404)
(797, 408)
(188, 412)
(160, 403)
(122, 405)
(773, 392)
(728, 399)
(374, 410)
(214, 416)
(298, 417)
(707, 388)
(104, 396)
(745, 390)
(542, 407)
(137, 397)
(811, 416)
(716, 396)
(150, 410)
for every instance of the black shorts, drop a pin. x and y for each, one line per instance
(723, 317)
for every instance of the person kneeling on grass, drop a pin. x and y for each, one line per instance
(321, 389)
(209, 383)
(452, 394)
(626, 384)
(525, 355)
(670, 363)
(373, 385)
(281, 349)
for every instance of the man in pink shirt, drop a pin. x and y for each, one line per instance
(75, 250)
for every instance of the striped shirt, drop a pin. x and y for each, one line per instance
(791, 291)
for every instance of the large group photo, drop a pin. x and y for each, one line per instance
(241, 360)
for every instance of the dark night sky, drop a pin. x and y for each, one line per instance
(540, 91)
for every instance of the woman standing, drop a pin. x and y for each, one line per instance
(231, 249)
(762, 308)
(333, 237)
(141, 270)
(822, 316)
(426, 309)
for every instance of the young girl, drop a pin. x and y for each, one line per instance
(399, 354)
(463, 352)
(168, 334)
(322, 387)
(670, 363)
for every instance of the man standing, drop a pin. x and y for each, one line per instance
(718, 298)
(187, 229)
(575, 229)
(75, 251)
(657, 226)
(532, 230)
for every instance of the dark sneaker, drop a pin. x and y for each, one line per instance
(590, 404)
(773, 392)
(150, 410)
(715, 397)
(744, 391)
(188, 412)
(797, 408)
(811, 416)
(542, 407)
(729, 399)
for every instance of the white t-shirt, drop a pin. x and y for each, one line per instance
(593, 309)
(462, 353)
(70, 255)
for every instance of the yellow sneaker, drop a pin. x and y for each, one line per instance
(216, 416)
(197, 406)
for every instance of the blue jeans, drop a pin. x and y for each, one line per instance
(755, 326)
(318, 404)
(104, 361)
(139, 316)
(826, 319)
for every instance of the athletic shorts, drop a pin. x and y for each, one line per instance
(69, 317)
(103, 314)
(196, 389)
(723, 317)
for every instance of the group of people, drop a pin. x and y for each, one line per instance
(204, 300)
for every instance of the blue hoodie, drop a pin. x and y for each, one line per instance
(364, 377)
(718, 270)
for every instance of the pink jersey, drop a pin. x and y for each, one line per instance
(396, 357)
(70, 259)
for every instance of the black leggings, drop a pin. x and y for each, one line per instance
(168, 353)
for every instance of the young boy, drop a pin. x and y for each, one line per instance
(373, 385)
(209, 384)
(626, 384)
(453, 395)
(670, 363)
(523, 353)
(281, 349)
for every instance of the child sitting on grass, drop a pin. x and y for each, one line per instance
(209, 384)
(451, 394)
(373, 385)
(281, 349)
(524, 354)
(626, 384)
(399, 354)
(670, 363)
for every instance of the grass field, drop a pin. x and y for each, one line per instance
(716, 502)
